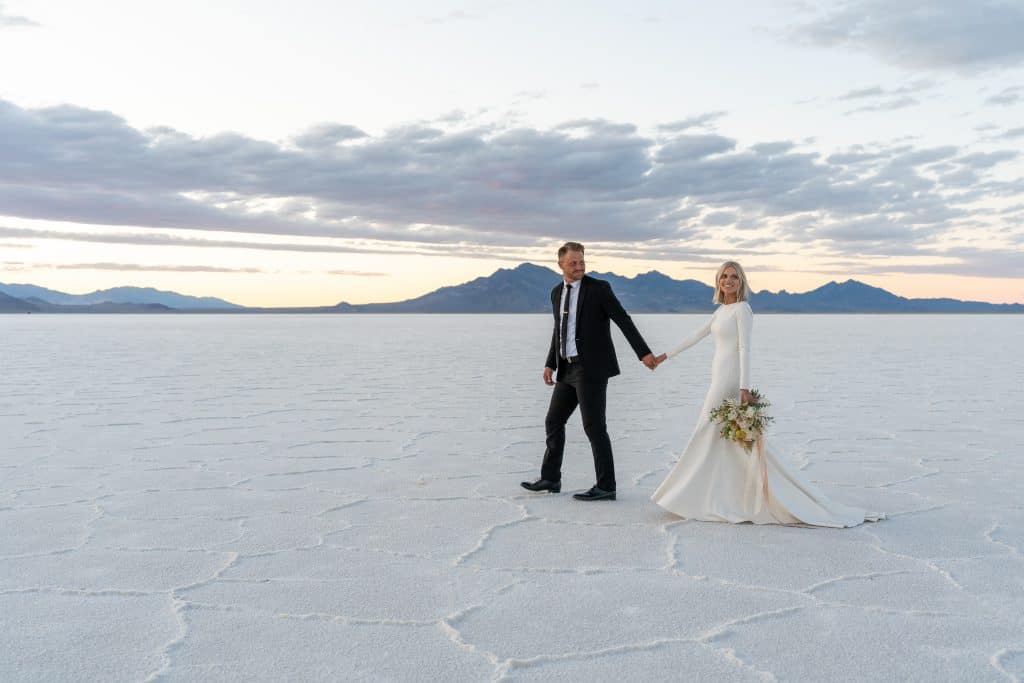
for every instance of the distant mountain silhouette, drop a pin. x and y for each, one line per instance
(527, 287)
(856, 297)
(523, 289)
(10, 304)
(117, 295)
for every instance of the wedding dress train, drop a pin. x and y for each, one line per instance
(719, 481)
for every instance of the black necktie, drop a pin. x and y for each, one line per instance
(565, 318)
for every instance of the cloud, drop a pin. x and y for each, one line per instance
(150, 268)
(889, 105)
(720, 218)
(877, 91)
(859, 154)
(773, 148)
(919, 157)
(1012, 133)
(356, 273)
(500, 190)
(988, 159)
(964, 261)
(698, 121)
(13, 20)
(1007, 96)
(155, 239)
(326, 135)
(453, 16)
(860, 93)
(880, 99)
(694, 147)
(953, 35)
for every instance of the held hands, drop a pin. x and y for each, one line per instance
(652, 361)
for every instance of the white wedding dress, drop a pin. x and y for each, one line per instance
(716, 480)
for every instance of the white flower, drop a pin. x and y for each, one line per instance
(750, 411)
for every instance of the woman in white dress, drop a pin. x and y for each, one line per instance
(716, 480)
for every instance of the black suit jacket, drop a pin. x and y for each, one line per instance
(595, 307)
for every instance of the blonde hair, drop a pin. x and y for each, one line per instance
(567, 247)
(741, 295)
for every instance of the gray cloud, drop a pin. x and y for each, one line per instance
(327, 135)
(868, 231)
(150, 268)
(1007, 96)
(987, 159)
(888, 105)
(860, 154)
(490, 189)
(968, 261)
(920, 157)
(720, 218)
(694, 147)
(1013, 133)
(698, 121)
(877, 91)
(861, 93)
(773, 148)
(155, 239)
(355, 273)
(957, 35)
(13, 20)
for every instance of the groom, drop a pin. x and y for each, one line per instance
(582, 351)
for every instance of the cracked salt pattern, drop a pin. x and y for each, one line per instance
(336, 498)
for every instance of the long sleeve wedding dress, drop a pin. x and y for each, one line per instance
(718, 480)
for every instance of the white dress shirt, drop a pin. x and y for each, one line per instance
(570, 342)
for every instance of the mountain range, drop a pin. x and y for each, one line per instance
(527, 289)
(18, 298)
(523, 289)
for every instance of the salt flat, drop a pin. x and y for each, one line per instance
(337, 498)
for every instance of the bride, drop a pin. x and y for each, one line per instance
(717, 480)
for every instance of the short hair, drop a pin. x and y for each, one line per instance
(741, 295)
(567, 247)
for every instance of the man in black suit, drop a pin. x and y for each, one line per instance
(582, 352)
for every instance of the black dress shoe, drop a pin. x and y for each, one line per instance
(595, 494)
(542, 485)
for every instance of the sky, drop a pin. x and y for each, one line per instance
(312, 152)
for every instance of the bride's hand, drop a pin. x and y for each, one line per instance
(745, 396)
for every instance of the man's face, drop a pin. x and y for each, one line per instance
(572, 265)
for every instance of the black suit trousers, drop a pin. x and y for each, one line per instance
(591, 397)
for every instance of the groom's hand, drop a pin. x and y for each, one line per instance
(547, 376)
(649, 361)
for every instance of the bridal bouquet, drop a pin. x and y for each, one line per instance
(743, 423)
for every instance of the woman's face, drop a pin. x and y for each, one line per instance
(729, 282)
